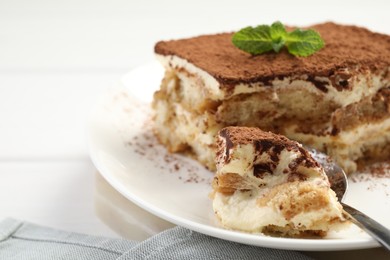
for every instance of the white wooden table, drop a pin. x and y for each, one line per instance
(56, 57)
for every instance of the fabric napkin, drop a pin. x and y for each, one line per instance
(21, 240)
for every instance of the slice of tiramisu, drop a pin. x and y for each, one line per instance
(268, 183)
(336, 100)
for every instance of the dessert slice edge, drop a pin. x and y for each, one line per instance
(268, 183)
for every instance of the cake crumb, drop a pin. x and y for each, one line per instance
(375, 171)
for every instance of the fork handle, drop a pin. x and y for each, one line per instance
(372, 227)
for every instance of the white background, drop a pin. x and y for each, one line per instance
(57, 56)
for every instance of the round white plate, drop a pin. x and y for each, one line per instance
(176, 188)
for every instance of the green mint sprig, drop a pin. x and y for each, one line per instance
(264, 38)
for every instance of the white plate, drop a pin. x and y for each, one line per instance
(176, 188)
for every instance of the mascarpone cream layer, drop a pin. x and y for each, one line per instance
(243, 158)
(363, 85)
(199, 132)
(241, 211)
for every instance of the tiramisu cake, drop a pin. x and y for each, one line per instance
(268, 183)
(336, 100)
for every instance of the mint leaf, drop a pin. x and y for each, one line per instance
(255, 40)
(304, 42)
(264, 38)
(278, 35)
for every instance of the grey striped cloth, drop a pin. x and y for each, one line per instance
(21, 240)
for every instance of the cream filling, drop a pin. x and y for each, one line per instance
(172, 61)
(242, 161)
(347, 146)
(199, 131)
(241, 211)
(190, 126)
(364, 84)
(192, 130)
(371, 130)
(348, 138)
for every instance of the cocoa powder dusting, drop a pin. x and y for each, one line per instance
(346, 47)
(375, 174)
(129, 114)
(264, 142)
(147, 146)
(372, 171)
